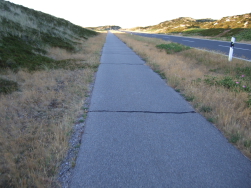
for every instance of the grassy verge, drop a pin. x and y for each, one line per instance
(36, 119)
(7, 86)
(217, 89)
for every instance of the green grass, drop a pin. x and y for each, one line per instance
(211, 119)
(212, 32)
(173, 47)
(16, 54)
(246, 71)
(71, 64)
(239, 33)
(247, 143)
(189, 98)
(156, 68)
(55, 41)
(193, 31)
(228, 82)
(244, 35)
(7, 86)
(233, 32)
(206, 109)
(238, 81)
(234, 138)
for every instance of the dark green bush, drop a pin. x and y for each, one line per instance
(173, 47)
(7, 86)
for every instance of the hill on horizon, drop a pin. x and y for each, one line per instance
(105, 28)
(226, 26)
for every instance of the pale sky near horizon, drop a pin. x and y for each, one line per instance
(133, 13)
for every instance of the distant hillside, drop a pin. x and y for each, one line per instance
(176, 25)
(26, 34)
(237, 21)
(105, 28)
(179, 24)
(225, 27)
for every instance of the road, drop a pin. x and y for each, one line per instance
(141, 133)
(241, 50)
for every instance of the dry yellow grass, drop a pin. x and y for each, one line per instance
(36, 122)
(185, 72)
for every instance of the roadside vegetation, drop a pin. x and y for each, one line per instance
(218, 89)
(172, 47)
(46, 65)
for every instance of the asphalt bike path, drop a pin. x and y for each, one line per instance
(141, 133)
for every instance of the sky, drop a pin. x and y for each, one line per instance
(134, 13)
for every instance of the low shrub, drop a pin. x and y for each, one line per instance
(173, 47)
(7, 86)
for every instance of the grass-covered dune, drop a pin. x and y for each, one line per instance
(238, 26)
(105, 28)
(46, 65)
(26, 35)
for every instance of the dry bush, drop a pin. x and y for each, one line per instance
(36, 122)
(185, 72)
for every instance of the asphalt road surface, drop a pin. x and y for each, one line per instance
(241, 50)
(141, 133)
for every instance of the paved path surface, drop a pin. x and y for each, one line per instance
(141, 133)
(241, 50)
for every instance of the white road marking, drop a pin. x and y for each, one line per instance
(188, 40)
(235, 48)
(223, 54)
(224, 46)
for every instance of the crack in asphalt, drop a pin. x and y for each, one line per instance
(148, 112)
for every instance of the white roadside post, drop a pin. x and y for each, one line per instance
(231, 50)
